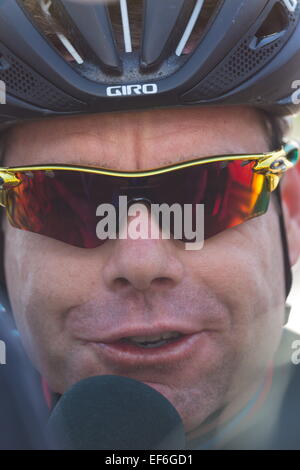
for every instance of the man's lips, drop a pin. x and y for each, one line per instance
(143, 331)
(115, 349)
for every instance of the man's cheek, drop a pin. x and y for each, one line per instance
(239, 265)
(227, 263)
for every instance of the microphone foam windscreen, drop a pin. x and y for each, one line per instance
(115, 413)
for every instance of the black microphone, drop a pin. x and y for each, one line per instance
(110, 412)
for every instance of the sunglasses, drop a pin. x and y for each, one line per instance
(60, 201)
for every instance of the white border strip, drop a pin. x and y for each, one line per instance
(70, 48)
(190, 26)
(126, 27)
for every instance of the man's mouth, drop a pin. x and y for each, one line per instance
(133, 348)
(154, 341)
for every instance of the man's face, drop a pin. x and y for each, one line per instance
(69, 302)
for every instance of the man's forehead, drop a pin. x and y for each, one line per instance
(135, 140)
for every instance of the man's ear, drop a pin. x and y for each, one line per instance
(290, 190)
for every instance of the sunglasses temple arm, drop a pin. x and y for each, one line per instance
(286, 256)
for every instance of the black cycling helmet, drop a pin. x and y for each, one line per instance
(61, 57)
(65, 56)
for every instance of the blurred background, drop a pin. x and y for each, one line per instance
(294, 297)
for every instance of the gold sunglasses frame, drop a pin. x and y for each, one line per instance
(271, 164)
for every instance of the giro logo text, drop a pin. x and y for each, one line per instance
(130, 90)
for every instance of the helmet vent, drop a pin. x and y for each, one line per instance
(160, 34)
(202, 15)
(131, 31)
(123, 15)
(272, 28)
(127, 18)
(247, 58)
(48, 18)
(80, 32)
(24, 83)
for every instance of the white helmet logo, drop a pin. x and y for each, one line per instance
(129, 90)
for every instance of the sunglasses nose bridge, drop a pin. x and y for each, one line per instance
(139, 200)
(131, 201)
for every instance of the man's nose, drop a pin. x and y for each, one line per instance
(143, 263)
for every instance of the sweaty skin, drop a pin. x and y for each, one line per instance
(66, 300)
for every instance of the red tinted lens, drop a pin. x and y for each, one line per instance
(230, 191)
(62, 204)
